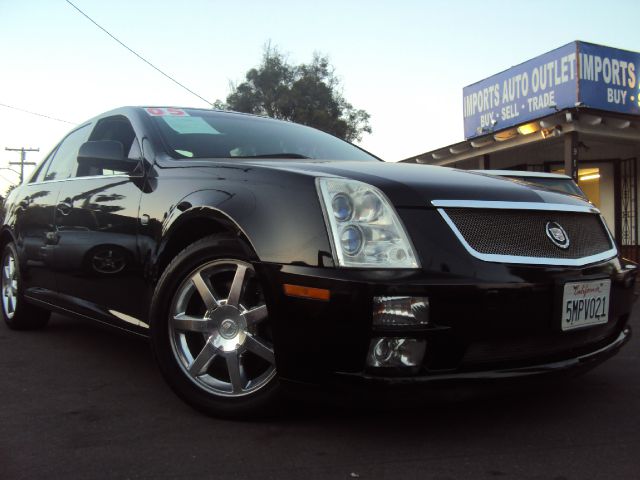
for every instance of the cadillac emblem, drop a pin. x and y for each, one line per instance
(557, 235)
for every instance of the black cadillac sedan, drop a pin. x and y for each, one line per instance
(258, 254)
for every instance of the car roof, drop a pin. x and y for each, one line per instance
(141, 109)
(208, 110)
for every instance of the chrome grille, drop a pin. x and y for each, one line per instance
(522, 233)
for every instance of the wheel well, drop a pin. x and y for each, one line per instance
(192, 230)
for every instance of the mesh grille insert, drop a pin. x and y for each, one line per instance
(522, 233)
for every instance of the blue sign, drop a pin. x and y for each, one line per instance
(577, 74)
(608, 78)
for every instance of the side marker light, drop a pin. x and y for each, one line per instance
(307, 292)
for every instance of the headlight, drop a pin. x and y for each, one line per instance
(365, 229)
(342, 207)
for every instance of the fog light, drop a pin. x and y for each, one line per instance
(396, 352)
(400, 311)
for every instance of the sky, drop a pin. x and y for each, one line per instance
(405, 62)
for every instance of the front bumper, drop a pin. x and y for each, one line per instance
(502, 323)
(572, 365)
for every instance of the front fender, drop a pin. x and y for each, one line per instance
(282, 222)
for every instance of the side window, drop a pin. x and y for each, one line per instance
(38, 175)
(119, 129)
(66, 157)
(135, 153)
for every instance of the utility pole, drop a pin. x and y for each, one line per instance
(23, 158)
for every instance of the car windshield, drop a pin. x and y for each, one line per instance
(213, 134)
(564, 185)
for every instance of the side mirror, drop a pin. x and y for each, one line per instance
(107, 154)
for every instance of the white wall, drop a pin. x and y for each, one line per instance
(607, 199)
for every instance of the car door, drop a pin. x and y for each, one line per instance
(96, 217)
(34, 222)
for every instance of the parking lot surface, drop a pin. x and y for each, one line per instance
(79, 401)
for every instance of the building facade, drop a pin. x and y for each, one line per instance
(574, 110)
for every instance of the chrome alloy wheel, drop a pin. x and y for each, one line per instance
(218, 329)
(9, 285)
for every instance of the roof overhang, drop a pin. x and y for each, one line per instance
(594, 123)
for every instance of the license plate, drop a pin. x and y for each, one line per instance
(585, 304)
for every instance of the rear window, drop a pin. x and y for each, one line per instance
(211, 134)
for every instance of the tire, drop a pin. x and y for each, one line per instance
(210, 331)
(17, 313)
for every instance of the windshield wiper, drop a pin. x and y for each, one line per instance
(274, 155)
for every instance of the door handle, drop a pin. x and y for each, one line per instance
(64, 208)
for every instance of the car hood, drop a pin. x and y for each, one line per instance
(412, 185)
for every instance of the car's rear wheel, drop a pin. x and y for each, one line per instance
(17, 313)
(211, 332)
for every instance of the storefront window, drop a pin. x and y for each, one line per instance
(589, 182)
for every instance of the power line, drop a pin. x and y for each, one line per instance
(138, 55)
(10, 169)
(37, 114)
(10, 182)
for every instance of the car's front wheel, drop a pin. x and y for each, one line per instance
(211, 332)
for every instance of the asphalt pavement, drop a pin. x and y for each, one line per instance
(79, 401)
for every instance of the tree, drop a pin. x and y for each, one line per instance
(308, 93)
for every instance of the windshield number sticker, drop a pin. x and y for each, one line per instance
(166, 112)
